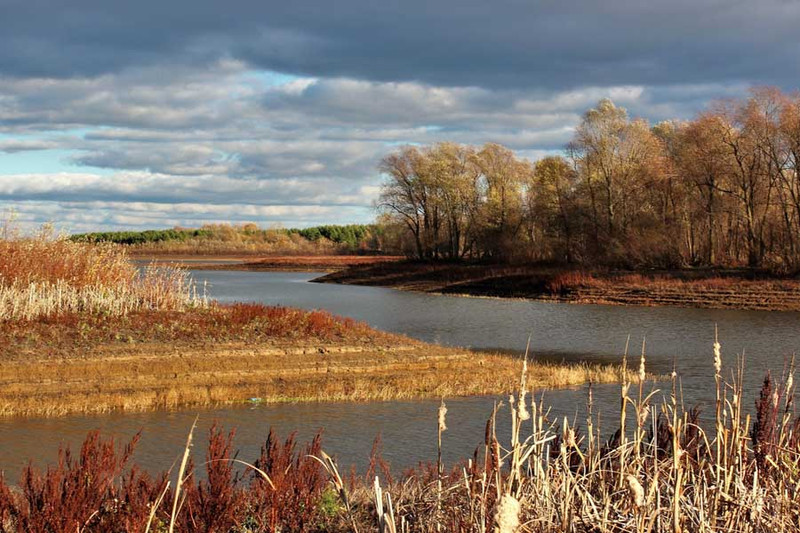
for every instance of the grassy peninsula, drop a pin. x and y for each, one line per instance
(83, 330)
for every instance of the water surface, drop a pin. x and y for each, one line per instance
(558, 331)
(567, 332)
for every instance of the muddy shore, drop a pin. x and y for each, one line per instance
(684, 288)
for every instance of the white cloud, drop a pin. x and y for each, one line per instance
(226, 136)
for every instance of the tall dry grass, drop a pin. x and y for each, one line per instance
(667, 472)
(45, 275)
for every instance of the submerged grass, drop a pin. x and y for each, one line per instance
(665, 472)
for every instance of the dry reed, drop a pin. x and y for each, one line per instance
(669, 473)
(47, 275)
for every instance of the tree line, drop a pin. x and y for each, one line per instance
(364, 237)
(722, 189)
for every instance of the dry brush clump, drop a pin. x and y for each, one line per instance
(45, 275)
(284, 489)
(239, 322)
(663, 470)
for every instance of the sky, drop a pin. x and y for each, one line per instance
(151, 114)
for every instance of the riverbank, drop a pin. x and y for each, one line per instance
(262, 263)
(729, 289)
(240, 353)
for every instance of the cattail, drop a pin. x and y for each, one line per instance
(642, 374)
(497, 463)
(507, 516)
(570, 439)
(442, 415)
(636, 489)
(522, 408)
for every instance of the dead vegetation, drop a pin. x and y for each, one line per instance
(46, 275)
(656, 468)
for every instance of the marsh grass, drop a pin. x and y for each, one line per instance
(668, 472)
(46, 275)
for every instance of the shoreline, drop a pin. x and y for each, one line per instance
(264, 263)
(704, 289)
(688, 288)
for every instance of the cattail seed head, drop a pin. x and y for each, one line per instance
(442, 417)
(507, 516)
(522, 408)
(636, 489)
(571, 440)
(642, 374)
(717, 358)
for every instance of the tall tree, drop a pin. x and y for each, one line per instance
(704, 163)
(552, 203)
(502, 214)
(404, 194)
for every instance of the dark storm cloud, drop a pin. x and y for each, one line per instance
(151, 113)
(505, 43)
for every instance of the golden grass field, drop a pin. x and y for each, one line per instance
(139, 375)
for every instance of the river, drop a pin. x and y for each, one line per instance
(558, 332)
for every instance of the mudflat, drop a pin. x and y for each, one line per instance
(727, 289)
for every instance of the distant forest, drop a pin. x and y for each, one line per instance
(214, 238)
(722, 189)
